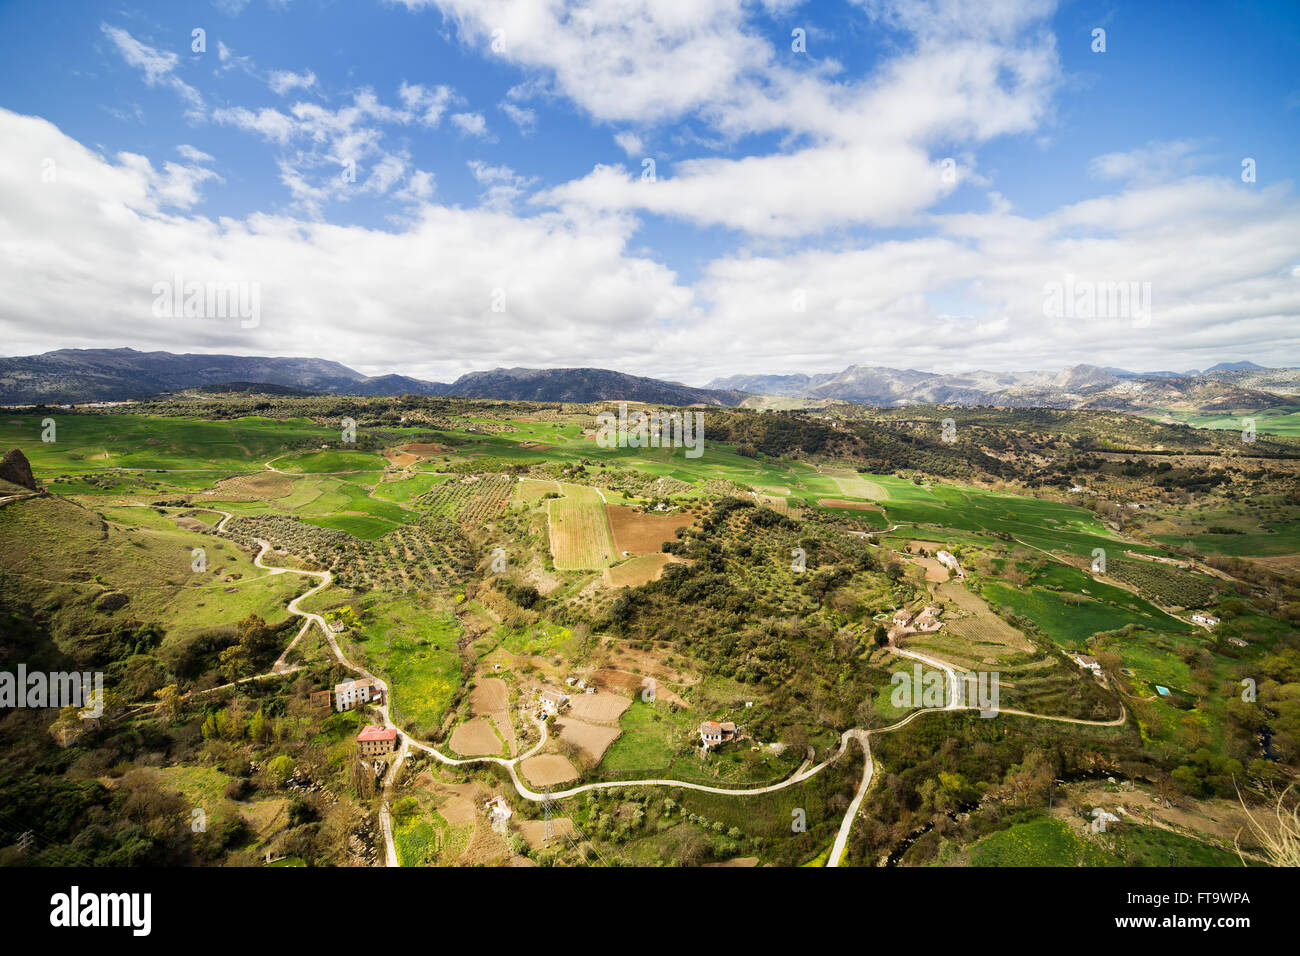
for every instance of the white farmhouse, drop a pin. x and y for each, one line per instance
(552, 701)
(1088, 663)
(353, 693)
(949, 561)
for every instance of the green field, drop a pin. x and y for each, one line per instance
(648, 742)
(1070, 619)
(412, 642)
(580, 535)
(1050, 842)
(1284, 420)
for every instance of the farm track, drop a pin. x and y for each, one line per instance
(511, 764)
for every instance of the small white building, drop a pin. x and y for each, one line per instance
(1101, 818)
(499, 813)
(1087, 663)
(354, 693)
(1205, 620)
(949, 561)
(713, 733)
(928, 620)
(551, 701)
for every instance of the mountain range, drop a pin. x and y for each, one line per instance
(86, 375)
(1229, 385)
(70, 376)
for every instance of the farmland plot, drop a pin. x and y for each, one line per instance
(476, 738)
(580, 535)
(591, 740)
(637, 571)
(599, 708)
(529, 491)
(638, 533)
(546, 770)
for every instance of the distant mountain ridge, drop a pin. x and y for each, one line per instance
(88, 375)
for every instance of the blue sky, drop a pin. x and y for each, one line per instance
(500, 146)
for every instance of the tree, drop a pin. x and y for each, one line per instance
(1029, 781)
(169, 704)
(280, 769)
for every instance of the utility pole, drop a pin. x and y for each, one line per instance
(548, 830)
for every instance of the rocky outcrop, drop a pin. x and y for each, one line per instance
(15, 468)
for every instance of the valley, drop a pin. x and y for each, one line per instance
(224, 560)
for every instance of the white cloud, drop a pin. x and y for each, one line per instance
(430, 103)
(471, 124)
(229, 60)
(503, 186)
(521, 116)
(329, 141)
(78, 258)
(419, 188)
(855, 150)
(285, 81)
(192, 154)
(158, 66)
(1154, 162)
(268, 122)
(630, 143)
(782, 195)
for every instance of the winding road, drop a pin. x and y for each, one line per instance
(861, 735)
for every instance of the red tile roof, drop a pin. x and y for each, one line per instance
(375, 732)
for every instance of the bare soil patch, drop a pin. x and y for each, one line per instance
(847, 503)
(534, 831)
(486, 848)
(401, 459)
(546, 770)
(264, 484)
(639, 570)
(935, 572)
(491, 699)
(599, 708)
(609, 679)
(457, 811)
(638, 533)
(1281, 563)
(488, 695)
(507, 730)
(475, 738)
(592, 740)
(423, 449)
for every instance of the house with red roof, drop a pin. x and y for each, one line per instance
(375, 739)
